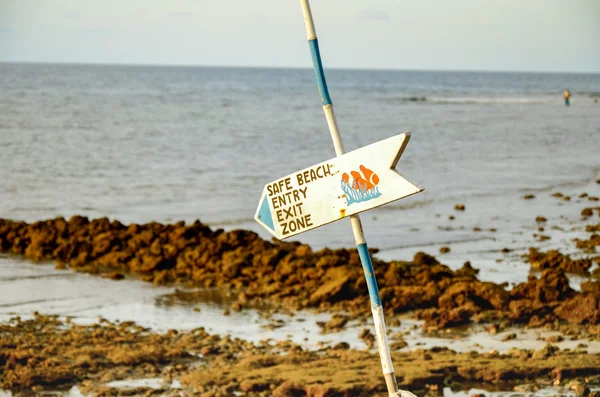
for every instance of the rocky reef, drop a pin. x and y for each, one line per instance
(293, 276)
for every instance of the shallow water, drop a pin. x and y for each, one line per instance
(85, 298)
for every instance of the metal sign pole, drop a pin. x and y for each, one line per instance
(361, 244)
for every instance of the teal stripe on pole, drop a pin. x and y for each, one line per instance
(365, 259)
(319, 73)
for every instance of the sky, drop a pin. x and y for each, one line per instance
(507, 35)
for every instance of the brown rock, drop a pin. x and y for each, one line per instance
(588, 245)
(326, 391)
(337, 285)
(492, 329)
(467, 271)
(336, 323)
(554, 339)
(404, 298)
(596, 273)
(552, 286)
(249, 386)
(587, 212)
(545, 352)
(341, 346)
(436, 319)
(289, 389)
(367, 337)
(422, 258)
(553, 259)
(591, 287)
(479, 295)
(398, 345)
(116, 276)
(581, 309)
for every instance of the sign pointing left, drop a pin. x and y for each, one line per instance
(326, 192)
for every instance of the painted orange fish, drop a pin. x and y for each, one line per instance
(365, 181)
(363, 186)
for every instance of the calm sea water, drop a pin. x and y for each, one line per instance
(169, 143)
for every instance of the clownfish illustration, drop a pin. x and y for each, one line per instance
(360, 186)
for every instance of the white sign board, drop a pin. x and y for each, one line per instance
(357, 181)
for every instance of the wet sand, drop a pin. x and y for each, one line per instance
(542, 287)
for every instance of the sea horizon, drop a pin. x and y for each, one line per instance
(307, 67)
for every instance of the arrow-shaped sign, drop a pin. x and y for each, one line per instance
(357, 181)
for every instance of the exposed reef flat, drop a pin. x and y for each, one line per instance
(47, 353)
(292, 276)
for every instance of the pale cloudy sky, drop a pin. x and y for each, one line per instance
(529, 35)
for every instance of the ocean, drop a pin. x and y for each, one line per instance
(167, 143)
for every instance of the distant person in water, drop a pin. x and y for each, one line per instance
(567, 96)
